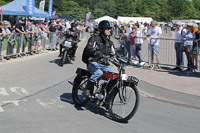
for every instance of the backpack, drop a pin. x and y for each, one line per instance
(85, 55)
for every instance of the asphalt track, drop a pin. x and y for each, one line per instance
(35, 97)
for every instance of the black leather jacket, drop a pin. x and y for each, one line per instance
(72, 35)
(97, 46)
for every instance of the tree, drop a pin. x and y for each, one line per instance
(196, 4)
(3, 2)
(160, 10)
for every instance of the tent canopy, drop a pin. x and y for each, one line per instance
(105, 18)
(134, 19)
(18, 7)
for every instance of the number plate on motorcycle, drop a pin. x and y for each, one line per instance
(67, 44)
(133, 79)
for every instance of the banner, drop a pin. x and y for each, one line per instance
(50, 8)
(30, 6)
(1, 11)
(42, 5)
(88, 16)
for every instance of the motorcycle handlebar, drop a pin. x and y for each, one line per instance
(117, 60)
(72, 41)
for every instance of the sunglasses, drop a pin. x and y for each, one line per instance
(107, 28)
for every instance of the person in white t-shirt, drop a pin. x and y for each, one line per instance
(138, 44)
(180, 33)
(67, 25)
(155, 34)
(142, 28)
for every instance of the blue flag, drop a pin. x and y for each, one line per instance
(50, 8)
(30, 6)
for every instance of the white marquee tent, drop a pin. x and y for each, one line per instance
(186, 21)
(134, 19)
(105, 18)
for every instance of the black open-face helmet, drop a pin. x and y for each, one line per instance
(103, 25)
(74, 24)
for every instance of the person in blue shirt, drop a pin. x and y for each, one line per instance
(87, 26)
(188, 43)
(127, 42)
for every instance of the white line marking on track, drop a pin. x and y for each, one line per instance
(15, 89)
(16, 102)
(1, 109)
(45, 105)
(3, 92)
(60, 106)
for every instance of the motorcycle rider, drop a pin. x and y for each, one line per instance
(97, 47)
(74, 35)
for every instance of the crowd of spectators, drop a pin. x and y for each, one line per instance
(131, 36)
(31, 36)
(187, 38)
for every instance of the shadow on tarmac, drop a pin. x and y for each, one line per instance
(179, 73)
(92, 107)
(59, 62)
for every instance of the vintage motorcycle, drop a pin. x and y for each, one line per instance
(117, 92)
(66, 53)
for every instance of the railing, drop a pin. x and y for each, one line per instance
(18, 45)
(168, 55)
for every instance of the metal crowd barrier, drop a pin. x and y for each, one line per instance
(18, 45)
(167, 55)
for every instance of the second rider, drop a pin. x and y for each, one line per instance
(71, 34)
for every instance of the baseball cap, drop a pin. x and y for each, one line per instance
(179, 23)
(126, 25)
(195, 25)
(153, 22)
(189, 24)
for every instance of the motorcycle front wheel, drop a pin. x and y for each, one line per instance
(63, 59)
(123, 104)
(80, 83)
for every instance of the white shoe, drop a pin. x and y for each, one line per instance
(142, 63)
(136, 62)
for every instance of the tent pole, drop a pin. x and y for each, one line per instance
(1, 17)
(26, 20)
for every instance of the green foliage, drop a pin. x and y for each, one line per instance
(3, 2)
(161, 10)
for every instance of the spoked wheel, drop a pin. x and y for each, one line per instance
(63, 59)
(77, 91)
(123, 104)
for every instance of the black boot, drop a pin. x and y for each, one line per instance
(88, 89)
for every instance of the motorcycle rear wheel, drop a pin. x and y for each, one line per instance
(77, 91)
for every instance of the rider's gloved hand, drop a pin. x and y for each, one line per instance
(98, 55)
(112, 55)
(106, 62)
